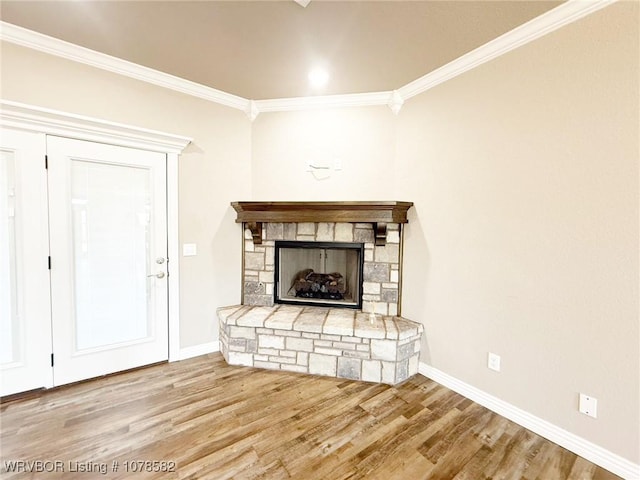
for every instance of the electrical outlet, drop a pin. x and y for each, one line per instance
(588, 405)
(493, 362)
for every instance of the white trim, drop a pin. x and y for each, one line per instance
(53, 122)
(578, 445)
(548, 22)
(173, 253)
(197, 350)
(60, 48)
(552, 20)
(325, 101)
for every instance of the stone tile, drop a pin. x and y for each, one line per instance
(371, 371)
(283, 318)
(299, 344)
(255, 317)
(259, 300)
(275, 231)
(237, 358)
(254, 261)
(339, 322)
(310, 320)
(266, 276)
(247, 234)
(269, 258)
(327, 351)
(389, 296)
(376, 272)
(289, 231)
(249, 246)
(405, 351)
(254, 288)
(407, 328)
(271, 341)
(402, 371)
(388, 373)
(349, 368)
(344, 232)
(324, 232)
(393, 237)
(365, 328)
(356, 354)
(363, 235)
(384, 350)
(306, 229)
(269, 351)
(225, 312)
(393, 309)
(302, 358)
(323, 364)
(390, 326)
(368, 255)
(414, 363)
(281, 359)
(372, 288)
(333, 338)
(390, 253)
(394, 276)
(242, 332)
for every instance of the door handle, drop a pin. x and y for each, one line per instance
(157, 275)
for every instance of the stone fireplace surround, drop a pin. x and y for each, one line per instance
(372, 344)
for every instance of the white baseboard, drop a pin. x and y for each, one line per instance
(578, 445)
(197, 350)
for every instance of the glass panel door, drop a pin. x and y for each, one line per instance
(108, 247)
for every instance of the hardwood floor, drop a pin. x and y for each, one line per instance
(215, 421)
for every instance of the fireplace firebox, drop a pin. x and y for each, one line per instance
(319, 273)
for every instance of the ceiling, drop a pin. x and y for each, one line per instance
(265, 49)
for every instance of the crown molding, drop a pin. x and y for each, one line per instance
(53, 122)
(548, 22)
(53, 46)
(325, 101)
(564, 14)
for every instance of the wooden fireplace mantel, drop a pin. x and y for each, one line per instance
(254, 214)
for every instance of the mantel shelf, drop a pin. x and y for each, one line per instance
(254, 214)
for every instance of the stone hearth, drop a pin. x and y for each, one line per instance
(323, 341)
(374, 344)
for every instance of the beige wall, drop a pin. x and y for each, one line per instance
(524, 236)
(362, 138)
(206, 182)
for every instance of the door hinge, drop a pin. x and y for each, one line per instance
(52, 359)
(46, 161)
(49, 262)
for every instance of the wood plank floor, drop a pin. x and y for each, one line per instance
(215, 421)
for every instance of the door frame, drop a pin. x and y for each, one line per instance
(20, 116)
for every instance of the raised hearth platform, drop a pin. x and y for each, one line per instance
(333, 342)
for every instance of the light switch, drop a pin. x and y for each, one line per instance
(189, 250)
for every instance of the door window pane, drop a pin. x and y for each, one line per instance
(111, 226)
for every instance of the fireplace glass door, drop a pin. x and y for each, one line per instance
(319, 273)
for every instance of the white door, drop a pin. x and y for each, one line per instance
(25, 317)
(108, 242)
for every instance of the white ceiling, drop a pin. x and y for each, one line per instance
(265, 49)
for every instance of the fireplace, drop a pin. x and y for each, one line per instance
(374, 228)
(337, 267)
(319, 273)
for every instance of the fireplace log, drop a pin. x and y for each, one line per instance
(308, 283)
